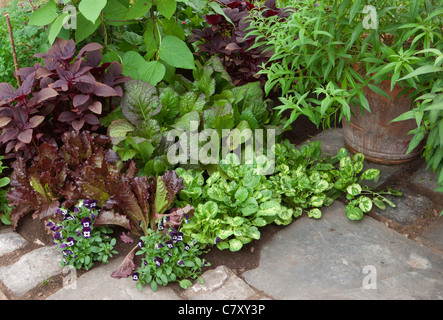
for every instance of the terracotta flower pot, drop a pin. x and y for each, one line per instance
(374, 135)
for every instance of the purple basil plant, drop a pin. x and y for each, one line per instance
(228, 40)
(68, 92)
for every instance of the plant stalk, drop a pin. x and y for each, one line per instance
(14, 53)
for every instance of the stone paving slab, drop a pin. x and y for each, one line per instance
(97, 284)
(409, 208)
(31, 269)
(10, 241)
(432, 236)
(425, 178)
(336, 258)
(219, 284)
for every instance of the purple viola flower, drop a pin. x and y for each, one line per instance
(67, 252)
(86, 232)
(170, 244)
(177, 236)
(56, 228)
(186, 216)
(204, 262)
(89, 204)
(172, 232)
(61, 211)
(86, 222)
(187, 247)
(50, 224)
(170, 253)
(180, 263)
(70, 242)
(217, 240)
(135, 276)
(57, 235)
(140, 243)
(69, 217)
(159, 246)
(76, 210)
(63, 245)
(158, 261)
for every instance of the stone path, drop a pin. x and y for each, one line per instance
(329, 258)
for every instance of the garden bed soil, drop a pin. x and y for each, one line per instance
(245, 259)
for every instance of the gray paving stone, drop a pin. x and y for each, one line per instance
(334, 257)
(425, 178)
(219, 284)
(97, 284)
(32, 268)
(10, 241)
(331, 140)
(408, 208)
(432, 236)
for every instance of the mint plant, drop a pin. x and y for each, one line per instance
(82, 243)
(167, 258)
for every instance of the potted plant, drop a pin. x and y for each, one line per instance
(330, 57)
(428, 112)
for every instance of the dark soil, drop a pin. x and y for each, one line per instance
(245, 259)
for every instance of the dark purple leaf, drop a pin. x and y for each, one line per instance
(9, 134)
(91, 119)
(79, 100)
(96, 107)
(126, 238)
(7, 92)
(67, 116)
(213, 19)
(25, 136)
(45, 94)
(110, 217)
(126, 267)
(78, 124)
(35, 121)
(103, 90)
(89, 47)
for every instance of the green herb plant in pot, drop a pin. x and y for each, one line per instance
(341, 60)
(427, 113)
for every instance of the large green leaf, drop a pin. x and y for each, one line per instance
(166, 7)
(56, 27)
(152, 72)
(45, 15)
(176, 53)
(135, 66)
(87, 28)
(138, 9)
(91, 9)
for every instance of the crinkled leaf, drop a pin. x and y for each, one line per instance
(140, 101)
